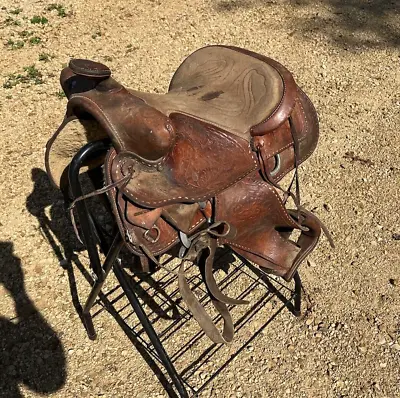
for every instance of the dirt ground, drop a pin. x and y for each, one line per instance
(345, 55)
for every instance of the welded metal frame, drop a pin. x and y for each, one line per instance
(91, 237)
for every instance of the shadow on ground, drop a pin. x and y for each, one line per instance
(350, 24)
(30, 351)
(122, 301)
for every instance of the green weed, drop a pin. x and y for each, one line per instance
(39, 20)
(60, 9)
(35, 40)
(15, 45)
(44, 57)
(32, 75)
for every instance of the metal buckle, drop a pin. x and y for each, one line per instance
(150, 238)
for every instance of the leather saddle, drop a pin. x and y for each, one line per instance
(200, 166)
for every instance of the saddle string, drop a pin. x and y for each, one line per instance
(218, 299)
(121, 183)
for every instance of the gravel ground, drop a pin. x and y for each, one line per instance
(345, 55)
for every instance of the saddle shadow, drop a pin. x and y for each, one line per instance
(160, 295)
(55, 228)
(349, 24)
(31, 353)
(59, 233)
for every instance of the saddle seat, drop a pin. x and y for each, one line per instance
(226, 87)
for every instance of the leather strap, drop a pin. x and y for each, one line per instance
(200, 314)
(49, 144)
(218, 299)
(210, 280)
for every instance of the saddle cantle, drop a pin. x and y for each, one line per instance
(200, 165)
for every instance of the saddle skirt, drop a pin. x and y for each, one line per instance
(198, 167)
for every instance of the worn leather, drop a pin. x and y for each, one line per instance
(200, 165)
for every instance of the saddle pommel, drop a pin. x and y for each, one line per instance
(132, 125)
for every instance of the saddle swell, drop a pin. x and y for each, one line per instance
(200, 165)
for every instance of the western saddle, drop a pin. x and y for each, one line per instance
(199, 166)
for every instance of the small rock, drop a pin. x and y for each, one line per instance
(327, 207)
(318, 335)
(396, 347)
(396, 236)
(309, 321)
(383, 364)
(291, 348)
(311, 263)
(362, 349)
(381, 341)
(340, 383)
(394, 282)
(46, 261)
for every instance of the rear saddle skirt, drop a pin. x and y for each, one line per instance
(199, 166)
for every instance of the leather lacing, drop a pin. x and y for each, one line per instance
(117, 184)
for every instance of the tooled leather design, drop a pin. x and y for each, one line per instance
(280, 141)
(89, 68)
(285, 107)
(256, 224)
(204, 161)
(122, 206)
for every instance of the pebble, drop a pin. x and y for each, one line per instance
(396, 346)
(327, 207)
(311, 263)
(362, 349)
(396, 236)
(309, 321)
(394, 282)
(46, 261)
(318, 335)
(381, 341)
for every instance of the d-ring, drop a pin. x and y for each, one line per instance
(149, 238)
(277, 158)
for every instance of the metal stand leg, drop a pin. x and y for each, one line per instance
(148, 327)
(90, 237)
(98, 284)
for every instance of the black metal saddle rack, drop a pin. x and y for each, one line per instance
(149, 341)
